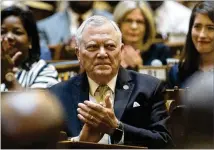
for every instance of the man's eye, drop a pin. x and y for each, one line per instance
(110, 46)
(92, 47)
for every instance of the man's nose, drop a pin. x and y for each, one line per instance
(102, 52)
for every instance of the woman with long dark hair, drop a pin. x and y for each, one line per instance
(20, 51)
(198, 56)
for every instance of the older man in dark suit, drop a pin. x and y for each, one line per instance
(109, 104)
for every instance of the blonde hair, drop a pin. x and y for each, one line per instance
(125, 7)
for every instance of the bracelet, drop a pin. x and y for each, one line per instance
(9, 77)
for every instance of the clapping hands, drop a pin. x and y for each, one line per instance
(9, 57)
(130, 57)
(8, 60)
(97, 118)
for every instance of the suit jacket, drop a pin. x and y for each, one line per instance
(143, 125)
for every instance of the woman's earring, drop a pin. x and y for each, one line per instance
(30, 46)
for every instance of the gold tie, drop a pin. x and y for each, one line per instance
(101, 93)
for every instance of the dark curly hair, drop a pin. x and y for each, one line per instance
(29, 24)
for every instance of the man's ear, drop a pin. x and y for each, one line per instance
(77, 53)
(121, 47)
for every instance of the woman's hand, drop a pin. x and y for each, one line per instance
(8, 68)
(130, 57)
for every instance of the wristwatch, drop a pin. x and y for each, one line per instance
(117, 134)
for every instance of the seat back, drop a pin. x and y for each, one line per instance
(66, 69)
(159, 72)
(177, 125)
(174, 97)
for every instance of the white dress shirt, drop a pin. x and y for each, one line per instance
(92, 89)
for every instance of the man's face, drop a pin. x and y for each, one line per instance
(100, 52)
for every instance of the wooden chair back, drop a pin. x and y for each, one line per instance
(89, 145)
(66, 69)
(174, 97)
(158, 72)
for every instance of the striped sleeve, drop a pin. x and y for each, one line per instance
(44, 76)
(41, 75)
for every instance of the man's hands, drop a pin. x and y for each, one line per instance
(97, 116)
(90, 134)
(130, 57)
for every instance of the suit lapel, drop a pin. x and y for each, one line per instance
(123, 90)
(82, 82)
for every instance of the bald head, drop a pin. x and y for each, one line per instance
(31, 119)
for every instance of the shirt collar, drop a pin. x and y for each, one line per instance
(93, 85)
(74, 16)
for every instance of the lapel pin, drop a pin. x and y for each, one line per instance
(125, 87)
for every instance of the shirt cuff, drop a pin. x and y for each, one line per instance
(74, 139)
(122, 139)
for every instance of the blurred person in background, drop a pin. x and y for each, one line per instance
(189, 4)
(8, 3)
(41, 9)
(171, 18)
(198, 54)
(192, 122)
(106, 5)
(57, 31)
(199, 102)
(30, 119)
(20, 52)
(137, 26)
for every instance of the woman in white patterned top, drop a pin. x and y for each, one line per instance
(20, 51)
